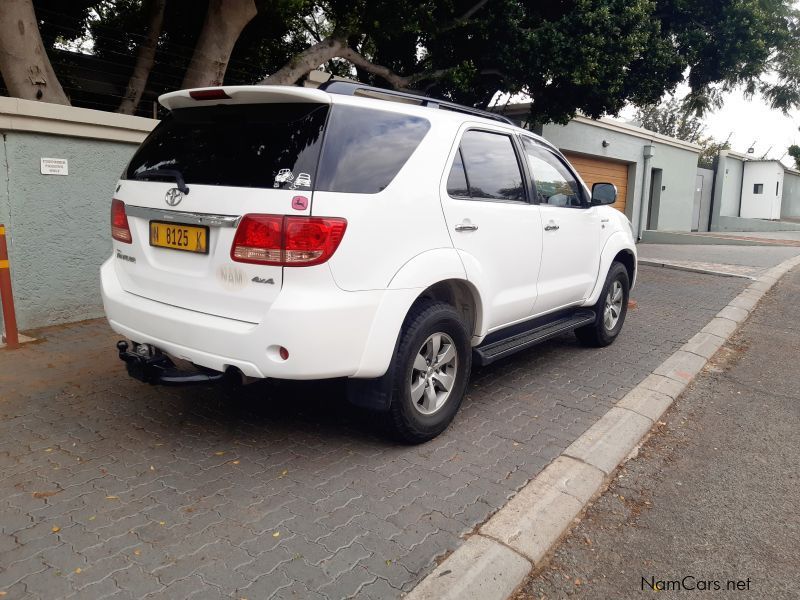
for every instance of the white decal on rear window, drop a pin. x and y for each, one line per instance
(303, 180)
(283, 176)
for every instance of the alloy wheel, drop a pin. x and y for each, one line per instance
(433, 373)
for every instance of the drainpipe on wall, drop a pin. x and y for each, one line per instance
(649, 151)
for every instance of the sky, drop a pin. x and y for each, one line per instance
(750, 123)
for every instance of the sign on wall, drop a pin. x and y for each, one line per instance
(55, 166)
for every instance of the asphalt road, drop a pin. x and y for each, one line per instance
(709, 507)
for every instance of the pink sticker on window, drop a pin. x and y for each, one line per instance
(299, 203)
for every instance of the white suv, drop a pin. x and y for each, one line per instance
(424, 236)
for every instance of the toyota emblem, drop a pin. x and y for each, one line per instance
(174, 196)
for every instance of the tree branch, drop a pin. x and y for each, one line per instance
(309, 29)
(472, 11)
(306, 61)
(464, 17)
(398, 82)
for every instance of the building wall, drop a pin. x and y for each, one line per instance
(767, 204)
(790, 206)
(58, 226)
(4, 216)
(705, 198)
(676, 160)
(728, 192)
(729, 182)
(678, 174)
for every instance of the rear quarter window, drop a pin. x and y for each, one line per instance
(365, 148)
(242, 145)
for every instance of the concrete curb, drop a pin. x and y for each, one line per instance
(654, 262)
(494, 562)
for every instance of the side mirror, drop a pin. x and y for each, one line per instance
(604, 193)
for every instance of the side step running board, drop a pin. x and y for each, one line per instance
(486, 354)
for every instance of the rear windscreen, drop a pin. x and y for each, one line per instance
(242, 145)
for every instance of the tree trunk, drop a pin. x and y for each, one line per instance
(224, 23)
(24, 63)
(145, 58)
(308, 60)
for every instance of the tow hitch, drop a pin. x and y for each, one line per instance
(147, 363)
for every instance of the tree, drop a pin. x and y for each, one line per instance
(224, 23)
(566, 56)
(677, 119)
(671, 118)
(145, 59)
(593, 56)
(794, 152)
(24, 63)
(728, 44)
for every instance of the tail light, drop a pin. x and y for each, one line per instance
(120, 230)
(287, 241)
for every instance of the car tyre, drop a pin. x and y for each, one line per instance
(611, 309)
(424, 401)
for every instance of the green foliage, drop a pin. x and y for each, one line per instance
(677, 119)
(734, 43)
(592, 56)
(794, 152)
(710, 149)
(673, 119)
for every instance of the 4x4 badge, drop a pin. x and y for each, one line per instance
(174, 196)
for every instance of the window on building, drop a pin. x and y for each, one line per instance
(758, 188)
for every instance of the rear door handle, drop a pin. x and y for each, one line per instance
(551, 227)
(466, 227)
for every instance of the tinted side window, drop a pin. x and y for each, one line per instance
(457, 181)
(491, 165)
(245, 145)
(365, 148)
(555, 185)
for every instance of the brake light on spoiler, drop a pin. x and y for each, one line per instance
(214, 94)
(287, 241)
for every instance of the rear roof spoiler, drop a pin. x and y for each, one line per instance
(243, 94)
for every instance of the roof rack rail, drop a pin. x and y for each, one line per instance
(354, 88)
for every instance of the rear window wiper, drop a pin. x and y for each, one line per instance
(173, 173)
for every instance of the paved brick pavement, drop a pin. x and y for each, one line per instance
(111, 488)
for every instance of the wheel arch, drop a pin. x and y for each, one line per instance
(619, 248)
(461, 295)
(389, 319)
(627, 258)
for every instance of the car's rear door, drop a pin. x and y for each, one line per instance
(229, 156)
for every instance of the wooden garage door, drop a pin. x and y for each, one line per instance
(594, 170)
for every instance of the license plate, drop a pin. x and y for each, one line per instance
(189, 238)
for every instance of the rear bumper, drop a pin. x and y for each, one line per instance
(326, 330)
